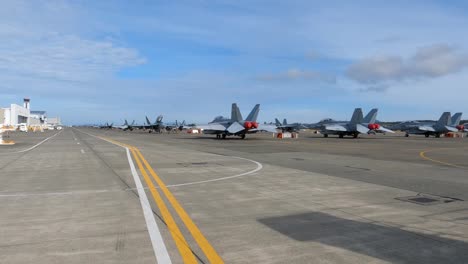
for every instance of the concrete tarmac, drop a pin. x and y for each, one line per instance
(375, 199)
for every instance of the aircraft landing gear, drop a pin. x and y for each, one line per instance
(406, 135)
(218, 136)
(426, 135)
(341, 136)
(355, 135)
(242, 136)
(224, 136)
(325, 135)
(437, 135)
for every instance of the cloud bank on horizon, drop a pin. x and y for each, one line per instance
(92, 62)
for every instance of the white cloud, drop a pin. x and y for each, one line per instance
(47, 41)
(64, 57)
(427, 62)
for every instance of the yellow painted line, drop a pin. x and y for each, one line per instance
(181, 243)
(422, 154)
(116, 142)
(206, 247)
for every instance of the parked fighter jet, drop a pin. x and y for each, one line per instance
(157, 126)
(107, 126)
(357, 125)
(371, 122)
(176, 127)
(285, 127)
(127, 126)
(435, 129)
(455, 122)
(236, 125)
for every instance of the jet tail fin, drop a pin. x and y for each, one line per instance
(235, 113)
(254, 113)
(371, 117)
(444, 119)
(159, 119)
(277, 122)
(357, 116)
(147, 120)
(285, 122)
(455, 121)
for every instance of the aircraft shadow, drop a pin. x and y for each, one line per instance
(386, 243)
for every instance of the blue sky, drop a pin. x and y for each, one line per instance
(99, 61)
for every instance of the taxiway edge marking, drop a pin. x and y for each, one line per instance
(422, 154)
(181, 243)
(159, 248)
(35, 146)
(205, 246)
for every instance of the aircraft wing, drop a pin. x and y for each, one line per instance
(385, 130)
(453, 129)
(426, 128)
(235, 128)
(267, 128)
(336, 128)
(362, 129)
(215, 127)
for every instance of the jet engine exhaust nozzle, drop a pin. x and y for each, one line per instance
(250, 125)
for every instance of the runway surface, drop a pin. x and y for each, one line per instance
(86, 195)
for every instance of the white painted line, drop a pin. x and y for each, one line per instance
(35, 146)
(77, 143)
(160, 250)
(259, 167)
(82, 151)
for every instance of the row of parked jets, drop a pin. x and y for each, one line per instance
(158, 126)
(236, 125)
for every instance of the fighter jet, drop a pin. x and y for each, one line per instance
(107, 126)
(370, 120)
(157, 126)
(428, 129)
(357, 125)
(455, 122)
(285, 127)
(176, 127)
(127, 126)
(236, 125)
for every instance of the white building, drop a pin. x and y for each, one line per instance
(38, 117)
(15, 115)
